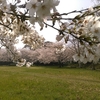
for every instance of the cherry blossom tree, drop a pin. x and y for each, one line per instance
(5, 59)
(19, 19)
(29, 55)
(11, 27)
(46, 55)
(54, 53)
(64, 54)
(3, 56)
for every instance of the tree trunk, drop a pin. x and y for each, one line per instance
(93, 67)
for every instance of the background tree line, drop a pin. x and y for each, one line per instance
(44, 55)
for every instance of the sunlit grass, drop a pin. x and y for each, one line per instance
(41, 83)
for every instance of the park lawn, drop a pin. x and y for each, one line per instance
(45, 83)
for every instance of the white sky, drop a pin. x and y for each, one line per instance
(65, 6)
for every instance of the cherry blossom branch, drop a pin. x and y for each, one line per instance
(7, 26)
(71, 33)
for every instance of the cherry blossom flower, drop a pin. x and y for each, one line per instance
(53, 4)
(28, 64)
(32, 6)
(96, 29)
(91, 9)
(21, 63)
(5, 7)
(33, 20)
(59, 37)
(45, 8)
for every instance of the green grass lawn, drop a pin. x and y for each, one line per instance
(41, 83)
